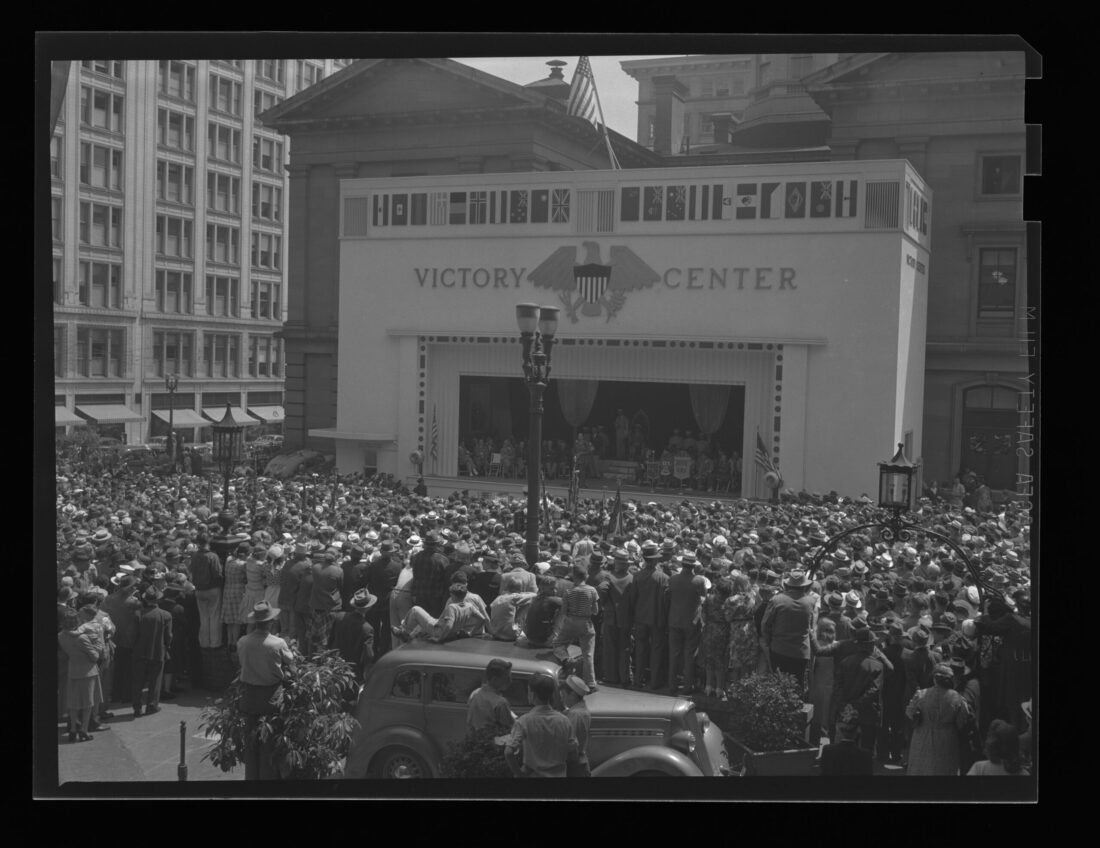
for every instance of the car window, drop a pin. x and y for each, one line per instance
(518, 694)
(406, 684)
(455, 686)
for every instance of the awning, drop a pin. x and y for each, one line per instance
(217, 413)
(63, 417)
(183, 418)
(112, 413)
(269, 414)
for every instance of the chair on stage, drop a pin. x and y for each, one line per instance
(495, 465)
(652, 472)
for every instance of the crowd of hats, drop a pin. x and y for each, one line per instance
(134, 526)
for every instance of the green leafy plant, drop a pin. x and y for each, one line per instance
(475, 756)
(766, 712)
(312, 727)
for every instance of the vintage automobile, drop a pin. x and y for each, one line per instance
(413, 704)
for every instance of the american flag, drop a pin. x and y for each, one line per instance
(582, 92)
(763, 458)
(615, 520)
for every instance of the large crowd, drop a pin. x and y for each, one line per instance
(903, 656)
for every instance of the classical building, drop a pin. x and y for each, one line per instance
(169, 209)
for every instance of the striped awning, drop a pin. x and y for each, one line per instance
(111, 413)
(64, 417)
(268, 414)
(183, 418)
(217, 413)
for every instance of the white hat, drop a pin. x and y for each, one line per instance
(413, 539)
(353, 537)
(972, 595)
(719, 540)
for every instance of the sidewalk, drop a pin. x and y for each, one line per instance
(145, 748)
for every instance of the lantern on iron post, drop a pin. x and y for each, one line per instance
(897, 482)
(228, 438)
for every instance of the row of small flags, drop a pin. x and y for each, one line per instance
(438, 208)
(741, 201)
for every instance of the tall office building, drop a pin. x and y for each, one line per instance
(169, 205)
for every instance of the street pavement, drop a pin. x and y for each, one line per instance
(145, 748)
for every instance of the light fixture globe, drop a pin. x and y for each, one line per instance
(527, 317)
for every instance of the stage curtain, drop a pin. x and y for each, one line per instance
(709, 405)
(576, 398)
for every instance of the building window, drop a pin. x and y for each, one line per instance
(1001, 175)
(58, 350)
(225, 143)
(100, 225)
(265, 299)
(264, 100)
(100, 167)
(55, 157)
(737, 86)
(58, 281)
(309, 73)
(177, 80)
(172, 353)
(222, 296)
(223, 244)
(266, 250)
(997, 284)
(221, 355)
(233, 63)
(223, 193)
(800, 66)
(105, 67)
(267, 202)
(174, 237)
(264, 357)
(175, 183)
(175, 130)
(101, 284)
(100, 109)
(267, 155)
(225, 95)
(706, 125)
(174, 292)
(98, 352)
(271, 69)
(56, 221)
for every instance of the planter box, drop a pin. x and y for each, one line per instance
(794, 762)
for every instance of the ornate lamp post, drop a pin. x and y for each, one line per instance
(896, 493)
(227, 447)
(537, 326)
(171, 383)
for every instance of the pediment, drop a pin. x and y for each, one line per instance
(400, 87)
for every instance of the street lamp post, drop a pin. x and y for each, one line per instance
(537, 326)
(171, 383)
(227, 447)
(896, 494)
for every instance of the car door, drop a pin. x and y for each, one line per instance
(445, 713)
(404, 705)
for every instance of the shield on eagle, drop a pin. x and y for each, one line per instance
(592, 281)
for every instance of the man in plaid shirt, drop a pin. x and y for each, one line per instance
(580, 605)
(429, 580)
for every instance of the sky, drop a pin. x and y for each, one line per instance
(618, 92)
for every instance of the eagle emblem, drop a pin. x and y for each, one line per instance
(590, 286)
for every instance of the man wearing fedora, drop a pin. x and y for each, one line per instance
(648, 599)
(151, 647)
(381, 579)
(787, 625)
(353, 635)
(124, 610)
(686, 591)
(614, 590)
(429, 581)
(263, 659)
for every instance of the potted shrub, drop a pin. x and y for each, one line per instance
(312, 728)
(765, 724)
(477, 755)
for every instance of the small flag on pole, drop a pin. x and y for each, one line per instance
(615, 520)
(763, 459)
(435, 438)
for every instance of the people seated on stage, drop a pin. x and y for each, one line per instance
(465, 461)
(735, 472)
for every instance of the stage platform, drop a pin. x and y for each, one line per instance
(598, 488)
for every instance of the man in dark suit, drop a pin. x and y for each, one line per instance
(154, 637)
(845, 758)
(647, 597)
(381, 578)
(686, 591)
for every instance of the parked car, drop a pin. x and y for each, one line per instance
(158, 443)
(268, 442)
(413, 704)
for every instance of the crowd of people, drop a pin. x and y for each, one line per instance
(903, 655)
(709, 466)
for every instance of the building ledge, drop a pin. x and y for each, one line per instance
(350, 435)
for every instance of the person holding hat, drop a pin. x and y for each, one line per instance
(264, 659)
(151, 647)
(938, 713)
(352, 633)
(573, 690)
(787, 625)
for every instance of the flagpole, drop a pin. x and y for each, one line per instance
(603, 126)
